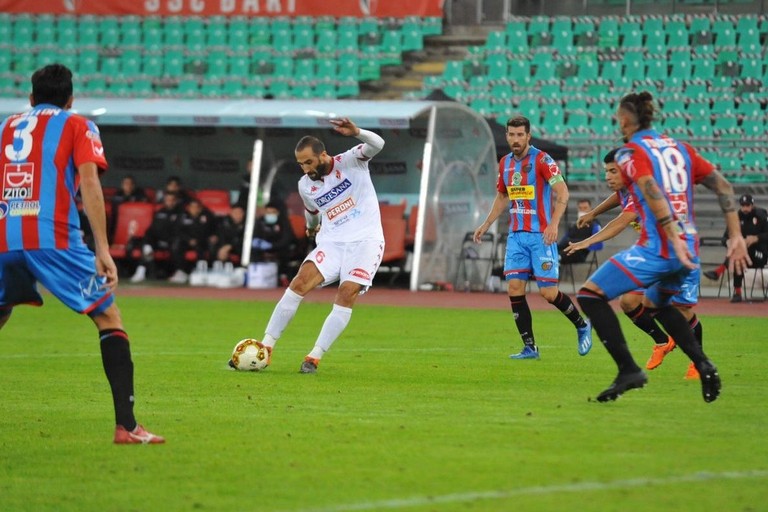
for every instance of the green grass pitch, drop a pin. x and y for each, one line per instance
(413, 409)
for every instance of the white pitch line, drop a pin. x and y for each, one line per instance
(417, 501)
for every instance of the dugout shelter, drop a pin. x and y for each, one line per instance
(439, 161)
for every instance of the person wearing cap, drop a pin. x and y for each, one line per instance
(754, 229)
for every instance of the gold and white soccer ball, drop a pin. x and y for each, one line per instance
(249, 355)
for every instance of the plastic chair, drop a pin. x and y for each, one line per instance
(395, 254)
(481, 258)
(133, 220)
(216, 200)
(591, 262)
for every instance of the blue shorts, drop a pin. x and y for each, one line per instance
(528, 254)
(638, 267)
(69, 274)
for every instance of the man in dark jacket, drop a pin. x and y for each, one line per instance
(754, 229)
(194, 228)
(159, 235)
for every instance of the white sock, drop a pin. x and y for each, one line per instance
(334, 325)
(281, 317)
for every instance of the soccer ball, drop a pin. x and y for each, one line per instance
(249, 356)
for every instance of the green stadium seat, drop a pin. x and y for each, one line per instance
(173, 31)
(538, 24)
(254, 89)
(152, 65)
(634, 65)
(630, 38)
(216, 32)
(238, 66)
(23, 32)
(348, 88)
(151, 34)
(583, 25)
(66, 32)
(454, 71)
(725, 35)
(45, 30)
(603, 126)
(529, 107)
(95, 86)
(412, 37)
(109, 35)
(303, 70)
(498, 68)
(391, 48)
(432, 26)
(675, 124)
(188, 87)
(130, 62)
(370, 68)
(656, 41)
(703, 69)
(303, 38)
(6, 28)
(755, 160)
(699, 24)
(142, 87)
(588, 69)
(326, 90)
(216, 63)
(657, 69)
(260, 32)
(238, 33)
(496, 42)
(725, 122)
(748, 107)
(680, 64)
(211, 87)
(545, 69)
(326, 42)
(173, 63)
(701, 129)
(754, 127)
(232, 88)
(677, 34)
(608, 33)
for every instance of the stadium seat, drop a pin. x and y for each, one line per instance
(216, 200)
(133, 220)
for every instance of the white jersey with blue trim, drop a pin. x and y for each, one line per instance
(345, 199)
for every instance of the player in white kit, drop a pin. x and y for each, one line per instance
(343, 210)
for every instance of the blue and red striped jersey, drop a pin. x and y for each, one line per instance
(528, 185)
(41, 152)
(676, 167)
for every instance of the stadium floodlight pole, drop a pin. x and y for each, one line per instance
(253, 194)
(426, 164)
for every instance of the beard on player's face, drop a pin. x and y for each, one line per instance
(318, 172)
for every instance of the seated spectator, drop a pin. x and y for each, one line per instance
(173, 184)
(273, 238)
(194, 228)
(577, 234)
(159, 235)
(127, 193)
(754, 229)
(230, 233)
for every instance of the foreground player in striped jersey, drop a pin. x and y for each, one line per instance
(660, 174)
(45, 155)
(528, 177)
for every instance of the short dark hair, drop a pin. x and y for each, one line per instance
(641, 106)
(52, 84)
(610, 157)
(309, 141)
(518, 121)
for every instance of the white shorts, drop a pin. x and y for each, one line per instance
(350, 261)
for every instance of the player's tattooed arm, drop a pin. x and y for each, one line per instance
(717, 183)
